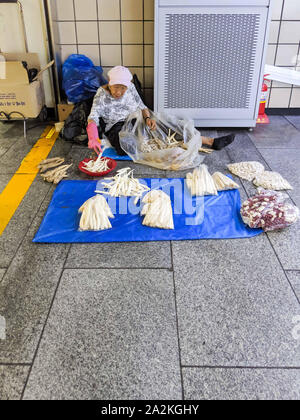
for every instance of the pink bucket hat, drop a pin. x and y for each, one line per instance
(119, 76)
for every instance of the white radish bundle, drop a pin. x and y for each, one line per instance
(124, 184)
(223, 182)
(98, 165)
(271, 181)
(246, 170)
(200, 182)
(95, 214)
(157, 210)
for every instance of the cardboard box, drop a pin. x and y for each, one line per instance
(16, 93)
(64, 110)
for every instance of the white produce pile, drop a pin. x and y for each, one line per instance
(95, 214)
(200, 182)
(246, 170)
(271, 181)
(124, 184)
(157, 210)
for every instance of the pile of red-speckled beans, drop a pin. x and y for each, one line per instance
(268, 211)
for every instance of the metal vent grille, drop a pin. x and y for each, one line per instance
(210, 60)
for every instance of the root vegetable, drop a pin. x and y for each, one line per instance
(157, 210)
(123, 184)
(95, 214)
(57, 174)
(50, 163)
(200, 182)
(98, 165)
(223, 182)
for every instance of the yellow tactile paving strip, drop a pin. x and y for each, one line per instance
(16, 189)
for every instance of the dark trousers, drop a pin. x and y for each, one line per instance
(113, 135)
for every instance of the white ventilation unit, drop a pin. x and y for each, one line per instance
(209, 59)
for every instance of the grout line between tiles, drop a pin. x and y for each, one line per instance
(117, 268)
(45, 323)
(286, 276)
(242, 367)
(15, 364)
(177, 326)
(290, 122)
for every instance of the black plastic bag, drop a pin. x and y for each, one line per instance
(75, 125)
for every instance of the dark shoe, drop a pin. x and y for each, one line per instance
(222, 142)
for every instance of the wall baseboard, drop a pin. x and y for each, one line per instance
(283, 111)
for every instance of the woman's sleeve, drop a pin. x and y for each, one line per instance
(97, 106)
(137, 98)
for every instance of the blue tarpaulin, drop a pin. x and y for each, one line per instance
(209, 217)
(112, 153)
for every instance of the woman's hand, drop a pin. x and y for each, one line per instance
(151, 124)
(94, 142)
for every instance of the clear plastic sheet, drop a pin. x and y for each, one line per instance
(135, 136)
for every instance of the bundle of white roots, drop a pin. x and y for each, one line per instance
(157, 210)
(169, 142)
(223, 182)
(53, 175)
(95, 214)
(123, 184)
(98, 165)
(200, 182)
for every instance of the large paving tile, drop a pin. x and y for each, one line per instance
(12, 158)
(12, 381)
(294, 277)
(279, 128)
(286, 243)
(294, 120)
(110, 335)
(235, 305)
(120, 255)
(287, 163)
(26, 293)
(21, 220)
(241, 384)
(237, 154)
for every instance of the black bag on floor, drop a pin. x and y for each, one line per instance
(75, 125)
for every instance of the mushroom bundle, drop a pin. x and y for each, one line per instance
(271, 181)
(200, 182)
(123, 184)
(246, 170)
(95, 214)
(157, 210)
(269, 210)
(223, 182)
(98, 165)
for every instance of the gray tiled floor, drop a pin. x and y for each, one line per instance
(180, 320)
